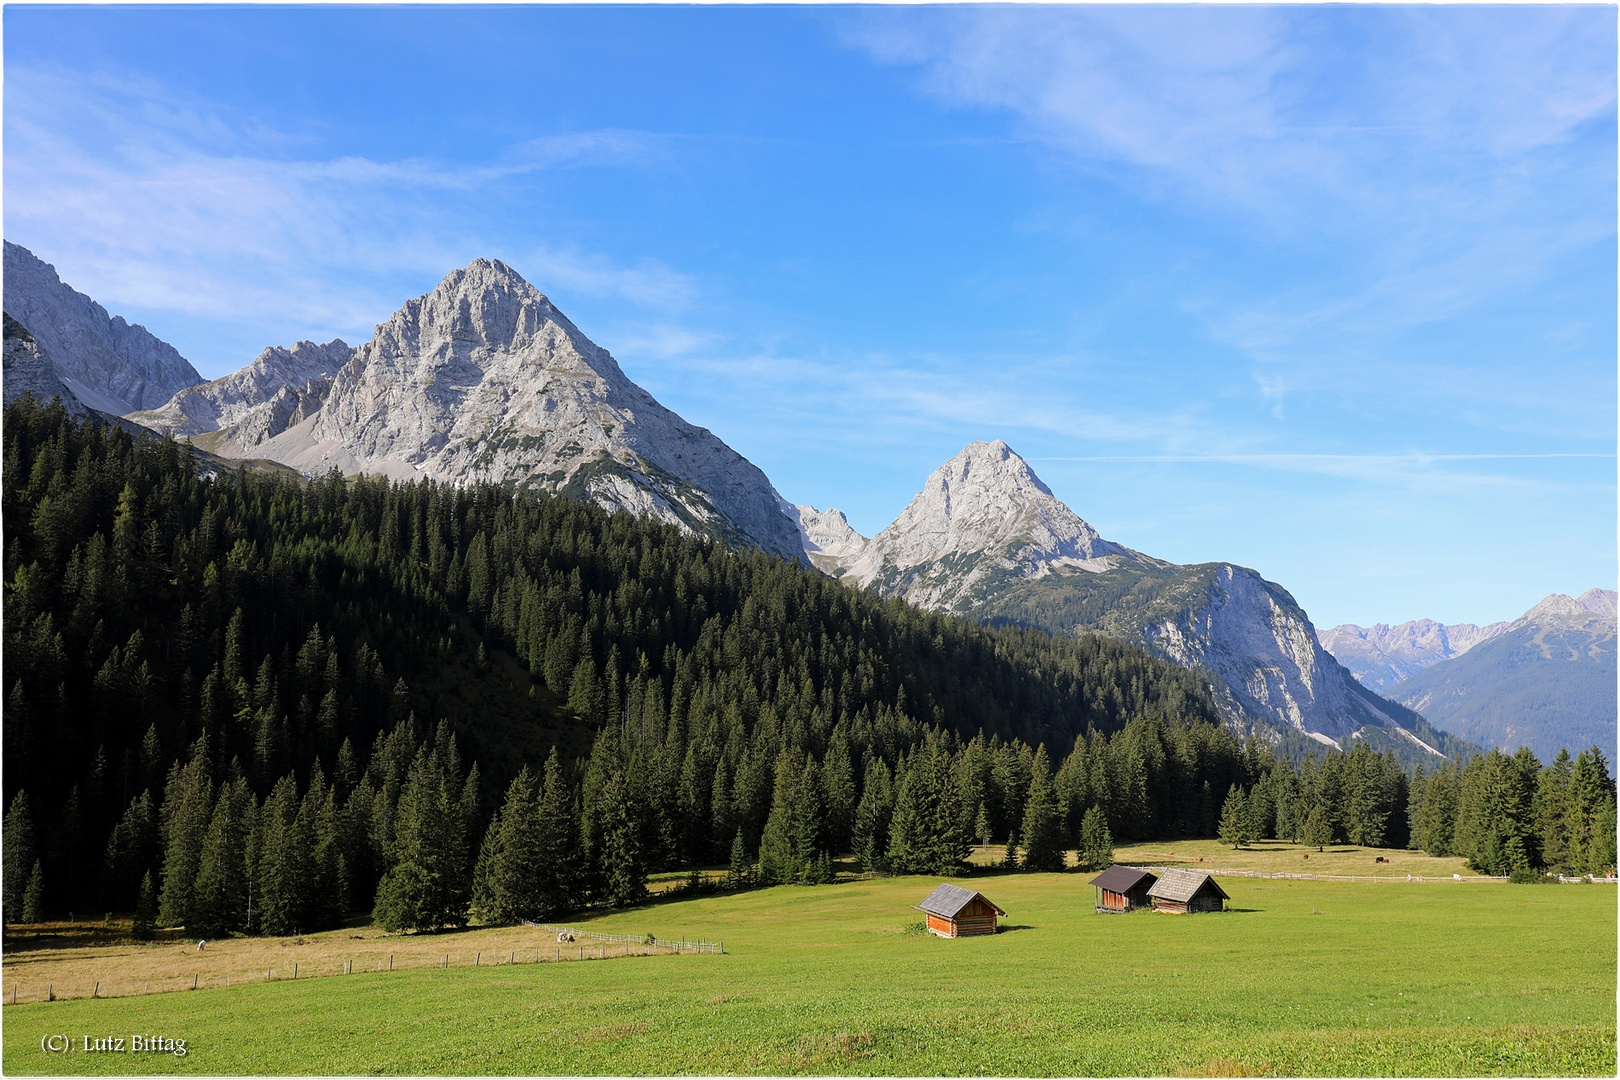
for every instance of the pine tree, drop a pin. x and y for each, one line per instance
(510, 876)
(427, 885)
(188, 809)
(283, 880)
(141, 928)
(623, 863)
(872, 818)
(838, 793)
(781, 858)
(33, 905)
(739, 873)
(1234, 827)
(1096, 844)
(1317, 832)
(219, 897)
(1009, 855)
(928, 833)
(558, 825)
(1043, 820)
(18, 840)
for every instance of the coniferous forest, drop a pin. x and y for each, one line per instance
(240, 701)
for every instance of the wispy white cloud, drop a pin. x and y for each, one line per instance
(157, 202)
(1414, 163)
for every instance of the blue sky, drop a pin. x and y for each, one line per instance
(1325, 291)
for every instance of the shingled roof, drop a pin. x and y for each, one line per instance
(947, 900)
(1121, 879)
(1183, 885)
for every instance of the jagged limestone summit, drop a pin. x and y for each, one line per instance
(109, 364)
(985, 537)
(280, 388)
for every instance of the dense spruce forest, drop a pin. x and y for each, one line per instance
(238, 701)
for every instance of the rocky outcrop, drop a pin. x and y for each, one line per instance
(828, 539)
(278, 389)
(109, 364)
(1381, 656)
(28, 370)
(482, 379)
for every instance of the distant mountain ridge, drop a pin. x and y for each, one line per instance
(1546, 681)
(109, 364)
(987, 538)
(278, 389)
(1381, 656)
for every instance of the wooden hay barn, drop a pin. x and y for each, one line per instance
(1123, 888)
(1184, 891)
(953, 911)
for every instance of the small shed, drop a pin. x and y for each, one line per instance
(1123, 888)
(1185, 891)
(953, 911)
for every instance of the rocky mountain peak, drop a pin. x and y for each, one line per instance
(988, 497)
(828, 538)
(488, 308)
(982, 517)
(483, 379)
(1594, 606)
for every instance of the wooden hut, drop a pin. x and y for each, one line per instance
(1184, 891)
(1123, 888)
(953, 911)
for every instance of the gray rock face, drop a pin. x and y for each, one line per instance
(987, 538)
(983, 518)
(277, 390)
(827, 537)
(28, 370)
(1381, 656)
(112, 365)
(484, 380)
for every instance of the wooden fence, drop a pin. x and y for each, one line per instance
(702, 945)
(223, 972)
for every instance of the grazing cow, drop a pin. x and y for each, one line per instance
(201, 942)
(564, 936)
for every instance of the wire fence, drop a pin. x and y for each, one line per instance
(232, 971)
(1401, 878)
(701, 945)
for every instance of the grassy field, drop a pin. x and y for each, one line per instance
(1281, 857)
(1301, 977)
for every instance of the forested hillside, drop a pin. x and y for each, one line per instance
(247, 702)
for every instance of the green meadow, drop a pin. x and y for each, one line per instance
(1301, 977)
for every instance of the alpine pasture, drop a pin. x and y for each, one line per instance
(1299, 977)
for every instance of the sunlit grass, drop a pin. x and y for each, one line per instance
(1301, 977)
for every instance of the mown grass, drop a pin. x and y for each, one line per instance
(1302, 978)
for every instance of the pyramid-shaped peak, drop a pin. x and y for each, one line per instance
(988, 466)
(487, 305)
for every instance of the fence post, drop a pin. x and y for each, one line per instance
(194, 980)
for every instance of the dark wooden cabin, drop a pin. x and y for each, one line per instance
(953, 911)
(1123, 888)
(1184, 891)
